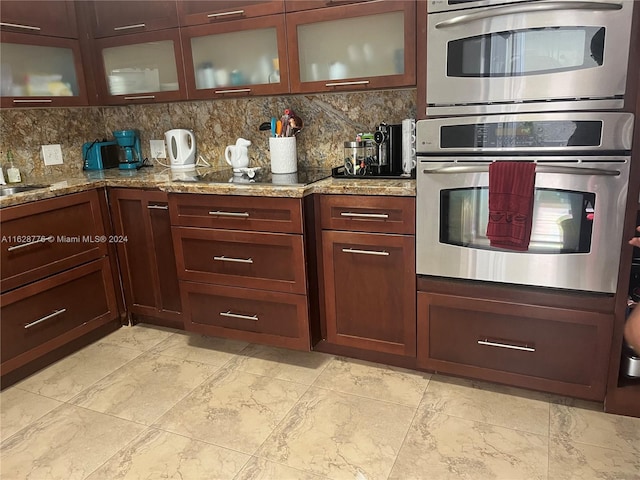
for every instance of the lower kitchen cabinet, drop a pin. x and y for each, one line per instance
(370, 285)
(147, 258)
(58, 288)
(536, 346)
(242, 267)
(367, 276)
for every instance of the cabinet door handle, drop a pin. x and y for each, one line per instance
(238, 315)
(366, 252)
(128, 27)
(34, 100)
(229, 214)
(159, 207)
(222, 258)
(17, 25)
(141, 97)
(45, 318)
(13, 248)
(345, 84)
(225, 14)
(234, 90)
(364, 215)
(510, 346)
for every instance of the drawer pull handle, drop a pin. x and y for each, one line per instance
(346, 84)
(158, 207)
(231, 259)
(237, 315)
(365, 252)
(141, 97)
(489, 343)
(34, 100)
(45, 318)
(234, 90)
(364, 215)
(230, 214)
(28, 244)
(17, 25)
(128, 27)
(225, 14)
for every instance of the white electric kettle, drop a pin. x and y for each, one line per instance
(181, 144)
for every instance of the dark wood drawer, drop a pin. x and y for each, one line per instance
(553, 349)
(46, 237)
(252, 315)
(264, 214)
(268, 261)
(359, 213)
(47, 314)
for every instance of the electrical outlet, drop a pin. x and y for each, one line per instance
(157, 149)
(51, 154)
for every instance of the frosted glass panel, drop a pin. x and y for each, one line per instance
(353, 47)
(237, 58)
(30, 70)
(141, 68)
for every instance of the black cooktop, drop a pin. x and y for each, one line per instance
(370, 174)
(253, 175)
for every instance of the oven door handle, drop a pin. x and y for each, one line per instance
(518, 9)
(539, 169)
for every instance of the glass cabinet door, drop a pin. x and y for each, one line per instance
(367, 45)
(142, 67)
(33, 74)
(236, 58)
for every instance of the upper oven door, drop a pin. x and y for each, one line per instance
(506, 58)
(577, 221)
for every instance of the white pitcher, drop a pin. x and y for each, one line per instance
(238, 155)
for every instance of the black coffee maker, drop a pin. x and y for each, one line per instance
(388, 140)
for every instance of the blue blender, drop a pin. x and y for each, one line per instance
(130, 152)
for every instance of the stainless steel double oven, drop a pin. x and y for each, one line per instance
(538, 81)
(582, 170)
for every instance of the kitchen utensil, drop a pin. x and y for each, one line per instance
(238, 155)
(181, 144)
(273, 126)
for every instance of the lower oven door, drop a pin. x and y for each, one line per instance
(577, 226)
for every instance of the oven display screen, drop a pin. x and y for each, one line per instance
(539, 134)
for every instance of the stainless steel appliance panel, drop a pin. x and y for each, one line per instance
(528, 56)
(595, 270)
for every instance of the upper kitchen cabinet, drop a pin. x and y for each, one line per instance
(141, 68)
(38, 71)
(50, 18)
(364, 45)
(297, 5)
(206, 12)
(243, 57)
(109, 19)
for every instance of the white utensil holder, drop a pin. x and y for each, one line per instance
(284, 158)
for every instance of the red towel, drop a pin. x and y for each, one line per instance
(511, 190)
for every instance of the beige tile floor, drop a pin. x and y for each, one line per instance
(151, 403)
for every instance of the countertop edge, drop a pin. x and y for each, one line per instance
(79, 183)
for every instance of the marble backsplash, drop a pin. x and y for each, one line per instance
(329, 121)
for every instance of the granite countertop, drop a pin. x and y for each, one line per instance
(181, 182)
